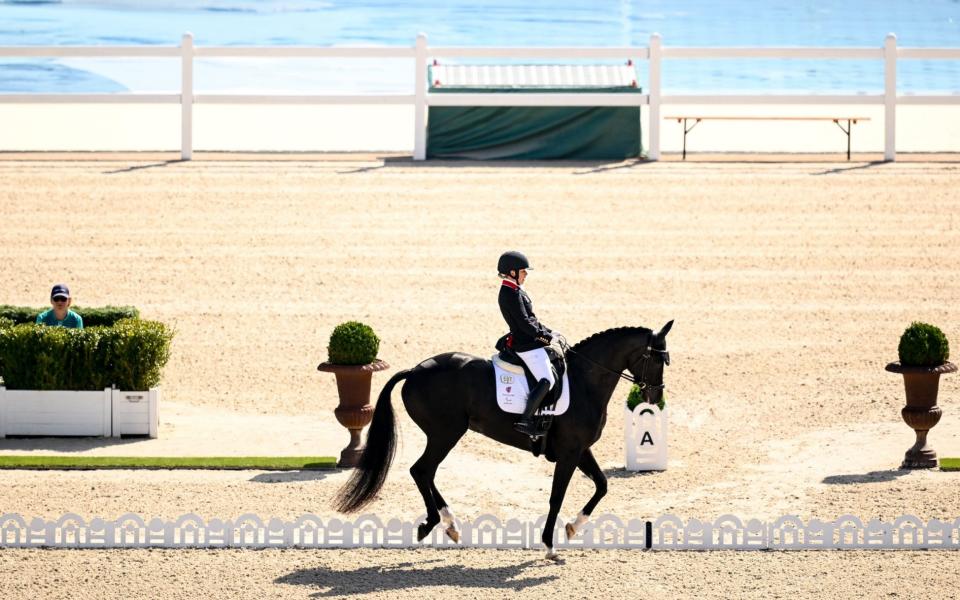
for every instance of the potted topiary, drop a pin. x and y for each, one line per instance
(923, 351)
(352, 358)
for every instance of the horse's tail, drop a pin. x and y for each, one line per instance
(371, 472)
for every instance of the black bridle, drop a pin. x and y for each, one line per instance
(642, 383)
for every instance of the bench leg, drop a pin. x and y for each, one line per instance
(687, 130)
(847, 131)
(684, 139)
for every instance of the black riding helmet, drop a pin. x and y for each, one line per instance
(512, 261)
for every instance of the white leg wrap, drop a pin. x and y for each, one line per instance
(446, 516)
(579, 522)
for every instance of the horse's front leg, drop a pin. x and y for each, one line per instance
(588, 464)
(561, 479)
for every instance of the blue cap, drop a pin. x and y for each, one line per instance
(60, 290)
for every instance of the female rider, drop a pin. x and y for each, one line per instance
(528, 337)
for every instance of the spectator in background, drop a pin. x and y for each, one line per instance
(60, 315)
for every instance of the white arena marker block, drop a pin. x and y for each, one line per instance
(646, 437)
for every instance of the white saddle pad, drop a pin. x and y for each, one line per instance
(512, 389)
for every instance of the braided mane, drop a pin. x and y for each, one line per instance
(586, 341)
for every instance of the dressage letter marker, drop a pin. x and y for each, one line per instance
(646, 437)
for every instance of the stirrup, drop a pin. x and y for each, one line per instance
(529, 428)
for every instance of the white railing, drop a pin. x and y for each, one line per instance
(656, 53)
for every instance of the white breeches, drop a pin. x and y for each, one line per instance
(539, 364)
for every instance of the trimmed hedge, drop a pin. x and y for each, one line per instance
(92, 317)
(130, 355)
(353, 343)
(923, 345)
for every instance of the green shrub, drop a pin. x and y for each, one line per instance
(353, 343)
(5, 322)
(104, 315)
(137, 352)
(923, 345)
(130, 355)
(635, 397)
(19, 314)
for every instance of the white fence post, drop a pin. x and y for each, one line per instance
(420, 99)
(890, 98)
(186, 97)
(654, 151)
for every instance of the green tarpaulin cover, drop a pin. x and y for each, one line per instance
(533, 132)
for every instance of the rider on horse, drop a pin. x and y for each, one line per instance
(528, 337)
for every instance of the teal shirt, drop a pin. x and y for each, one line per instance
(72, 320)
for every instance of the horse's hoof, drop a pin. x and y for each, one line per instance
(453, 534)
(552, 555)
(571, 531)
(423, 530)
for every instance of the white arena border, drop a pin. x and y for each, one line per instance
(487, 531)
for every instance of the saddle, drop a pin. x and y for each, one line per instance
(557, 361)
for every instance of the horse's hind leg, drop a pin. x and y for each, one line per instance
(588, 464)
(424, 471)
(446, 515)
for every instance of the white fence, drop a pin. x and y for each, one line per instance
(656, 53)
(486, 531)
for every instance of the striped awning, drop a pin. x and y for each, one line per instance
(533, 76)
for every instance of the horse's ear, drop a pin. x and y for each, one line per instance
(666, 329)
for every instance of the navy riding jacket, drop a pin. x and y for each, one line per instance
(528, 333)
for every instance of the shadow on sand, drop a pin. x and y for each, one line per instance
(588, 166)
(150, 166)
(839, 170)
(291, 476)
(413, 575)
(623, 473)
(871, 477)
(66, 444)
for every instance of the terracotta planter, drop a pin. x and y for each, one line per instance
(354, 411)
(921, 412)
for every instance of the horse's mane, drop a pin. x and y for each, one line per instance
(588, 340)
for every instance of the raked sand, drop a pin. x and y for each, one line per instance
(790, 284)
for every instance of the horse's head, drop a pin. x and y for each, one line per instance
(648, 362)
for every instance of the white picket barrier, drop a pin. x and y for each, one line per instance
(645, 430)
(606, 531)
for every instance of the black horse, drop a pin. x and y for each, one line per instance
(450, 393)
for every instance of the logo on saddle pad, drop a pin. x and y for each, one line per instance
(512, 392)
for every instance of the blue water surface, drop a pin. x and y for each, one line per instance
(861, 23)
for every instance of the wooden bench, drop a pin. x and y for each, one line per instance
(851, 121)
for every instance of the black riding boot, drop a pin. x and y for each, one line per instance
(526, 423)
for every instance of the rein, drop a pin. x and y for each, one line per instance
(643, 370)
